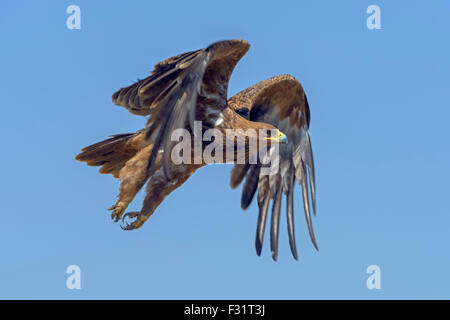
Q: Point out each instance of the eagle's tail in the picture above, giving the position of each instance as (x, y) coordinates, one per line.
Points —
(113, 153)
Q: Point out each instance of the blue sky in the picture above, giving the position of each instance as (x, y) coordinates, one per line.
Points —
(379, 105)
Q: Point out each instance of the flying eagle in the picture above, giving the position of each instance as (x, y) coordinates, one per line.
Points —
(192, 87)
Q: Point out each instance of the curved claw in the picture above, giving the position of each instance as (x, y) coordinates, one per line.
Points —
(117, 210)
(133, 225)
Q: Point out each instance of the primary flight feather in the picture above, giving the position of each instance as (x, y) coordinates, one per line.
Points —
(192, 87)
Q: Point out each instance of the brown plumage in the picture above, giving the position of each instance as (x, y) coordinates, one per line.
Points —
(281, 102)
(193, 87)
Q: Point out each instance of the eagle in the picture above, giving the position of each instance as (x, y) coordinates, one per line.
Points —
(192, 87)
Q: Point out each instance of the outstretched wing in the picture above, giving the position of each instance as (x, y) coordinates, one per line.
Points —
(281, 102)
(190, 86)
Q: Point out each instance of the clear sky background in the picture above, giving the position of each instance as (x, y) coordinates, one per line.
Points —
(380, 111)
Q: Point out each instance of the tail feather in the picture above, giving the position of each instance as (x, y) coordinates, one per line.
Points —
(112, 154)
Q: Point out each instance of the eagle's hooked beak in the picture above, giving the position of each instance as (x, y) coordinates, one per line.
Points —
(280, 139)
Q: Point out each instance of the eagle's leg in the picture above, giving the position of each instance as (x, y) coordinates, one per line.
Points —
(157, 189)
(133, 176)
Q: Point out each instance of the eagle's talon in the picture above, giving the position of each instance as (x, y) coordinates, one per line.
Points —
(137, 223)
(133, 225)
(127, 227)
(130, 215)
(117, 210)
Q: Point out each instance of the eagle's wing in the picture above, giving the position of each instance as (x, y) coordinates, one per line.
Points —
(190, 86)
(281, 102)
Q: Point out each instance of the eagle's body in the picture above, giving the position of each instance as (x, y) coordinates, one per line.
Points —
(193, 87)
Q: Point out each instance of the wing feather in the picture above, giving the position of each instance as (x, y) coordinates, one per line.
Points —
(281, 102)
(250, 186)
(275, 225)
(238, 174)
(172, 94)
(290, 218)
(306, 206)
(263, 204)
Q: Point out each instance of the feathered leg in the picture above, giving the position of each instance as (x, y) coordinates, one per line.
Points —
(157, 189)
(133, 176)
